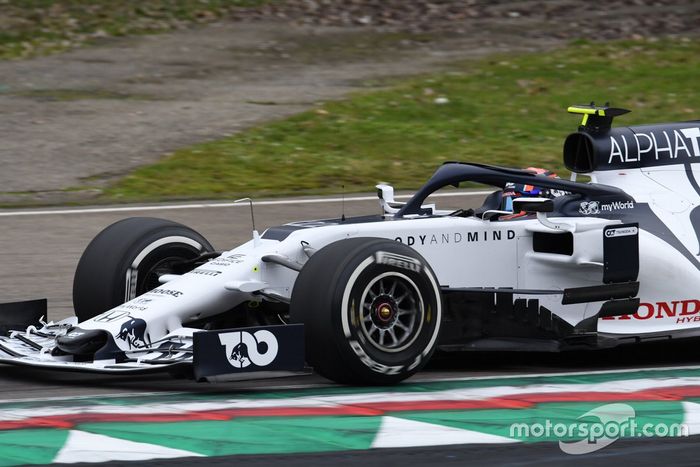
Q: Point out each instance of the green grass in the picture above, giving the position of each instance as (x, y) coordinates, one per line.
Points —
(38, 27)
(507, 110)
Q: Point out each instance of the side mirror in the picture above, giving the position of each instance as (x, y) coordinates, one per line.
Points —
(385, 193)
(543, 205)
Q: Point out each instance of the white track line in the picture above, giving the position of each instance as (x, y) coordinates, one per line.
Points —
(418, 380)
(414, 380)
(167, 207)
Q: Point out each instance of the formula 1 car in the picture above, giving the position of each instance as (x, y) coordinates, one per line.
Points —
(367, 300)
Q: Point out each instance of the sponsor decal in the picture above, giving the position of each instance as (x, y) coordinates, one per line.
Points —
(131, 307)
(205, 272)
(588, 208)
(134, 333)
(269, 348)
(666, 144)
(244, 348)
(376, 366)
(457, 237)
(166, 292)
(684, 311)
(591, 208)
(617, 205)
(111, 316)
(226, 260)
(558, 193)
(137, 304)
(399, 261)
(621, 232)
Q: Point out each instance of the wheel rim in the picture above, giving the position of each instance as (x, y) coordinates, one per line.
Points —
(391, 315)
(146, 276)
(152, 276)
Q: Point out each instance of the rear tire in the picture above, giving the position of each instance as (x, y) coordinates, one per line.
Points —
(125, 260)
(371, 310)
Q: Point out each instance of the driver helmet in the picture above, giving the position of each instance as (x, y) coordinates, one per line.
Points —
(512, 191)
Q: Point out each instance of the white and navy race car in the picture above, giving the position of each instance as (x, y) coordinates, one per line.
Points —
(545, 264)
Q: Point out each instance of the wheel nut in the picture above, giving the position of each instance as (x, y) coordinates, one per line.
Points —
(385, 312)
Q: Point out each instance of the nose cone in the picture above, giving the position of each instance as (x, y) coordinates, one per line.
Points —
(82, 341)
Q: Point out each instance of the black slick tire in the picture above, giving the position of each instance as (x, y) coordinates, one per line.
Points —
(121, 261)
(350, 296)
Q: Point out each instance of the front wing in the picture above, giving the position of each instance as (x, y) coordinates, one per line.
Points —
(232, 354)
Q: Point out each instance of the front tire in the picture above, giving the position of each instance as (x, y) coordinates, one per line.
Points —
(126, 259)
(371, 310)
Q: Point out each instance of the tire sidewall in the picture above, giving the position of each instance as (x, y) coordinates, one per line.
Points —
(100, 281)
(152, 248)
(353, 344)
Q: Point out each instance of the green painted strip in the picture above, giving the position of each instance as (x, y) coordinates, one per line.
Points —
(30, 446)
(318, 434)
(270, 435)
(250, 435)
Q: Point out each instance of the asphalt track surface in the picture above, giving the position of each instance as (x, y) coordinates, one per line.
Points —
(676, 452)
(41, 248)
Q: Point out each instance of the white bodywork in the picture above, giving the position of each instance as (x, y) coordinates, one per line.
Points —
(464, 252)
(668, 280)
